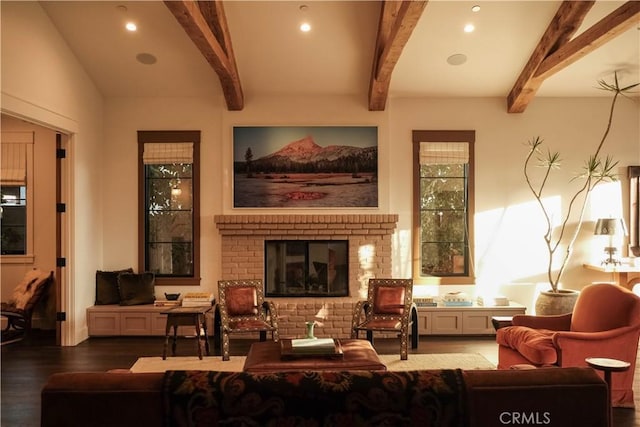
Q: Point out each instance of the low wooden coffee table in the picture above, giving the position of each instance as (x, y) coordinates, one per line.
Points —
(356, 355)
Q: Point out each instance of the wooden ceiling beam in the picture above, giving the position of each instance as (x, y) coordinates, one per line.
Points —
(562, 27)
(612, 25)
(206, 25)
(397, 21)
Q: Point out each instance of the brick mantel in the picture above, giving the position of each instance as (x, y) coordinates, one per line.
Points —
(377, 224)
(369, 237)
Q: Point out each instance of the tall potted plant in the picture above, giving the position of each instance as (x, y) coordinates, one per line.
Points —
(559, 242)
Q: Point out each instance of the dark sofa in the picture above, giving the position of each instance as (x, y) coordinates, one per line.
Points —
(451, 397)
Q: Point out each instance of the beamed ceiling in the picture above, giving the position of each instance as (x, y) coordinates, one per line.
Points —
(374, 49)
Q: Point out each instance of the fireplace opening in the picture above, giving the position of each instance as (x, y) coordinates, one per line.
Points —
(306, 268)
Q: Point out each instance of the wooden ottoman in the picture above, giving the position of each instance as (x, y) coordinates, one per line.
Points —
(357, 355)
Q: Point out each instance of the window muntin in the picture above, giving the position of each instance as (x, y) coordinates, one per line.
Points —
(169, 213)
(13, 219)
(443, 220)
(16, 196)
(170, 218)
(443, 165)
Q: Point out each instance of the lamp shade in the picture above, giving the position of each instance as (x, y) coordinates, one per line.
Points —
(610, 227)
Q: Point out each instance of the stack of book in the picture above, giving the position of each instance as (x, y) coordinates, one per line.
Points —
(425, 302)
(313, 346)
(166, 303)
(456, 299)
(197, 299)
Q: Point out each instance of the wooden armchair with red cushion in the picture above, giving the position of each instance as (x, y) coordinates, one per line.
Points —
(242, 309)
(605, 323)
(389, 308)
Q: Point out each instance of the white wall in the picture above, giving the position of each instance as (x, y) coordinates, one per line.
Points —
(44, 83)
(508, 244)
(508, 234)
(123, 118)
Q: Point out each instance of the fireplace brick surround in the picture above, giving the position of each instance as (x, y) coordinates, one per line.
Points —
(370, 242)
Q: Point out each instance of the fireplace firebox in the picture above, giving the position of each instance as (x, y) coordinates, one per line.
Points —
(306, 268)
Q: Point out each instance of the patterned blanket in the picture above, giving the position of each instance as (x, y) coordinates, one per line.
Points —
(427, 398)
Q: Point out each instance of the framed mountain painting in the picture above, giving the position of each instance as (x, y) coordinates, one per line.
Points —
(305, 166)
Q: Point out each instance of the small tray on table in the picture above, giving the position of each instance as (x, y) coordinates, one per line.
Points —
(310, 347)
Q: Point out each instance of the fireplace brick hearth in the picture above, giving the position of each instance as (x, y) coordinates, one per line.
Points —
(369, 236)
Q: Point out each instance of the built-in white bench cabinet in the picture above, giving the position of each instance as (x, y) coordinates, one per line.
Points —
(113, 320)
(471, 320)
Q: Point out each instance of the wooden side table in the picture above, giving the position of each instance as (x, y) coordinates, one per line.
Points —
(607, 366)
(620, 273)
(186, 316)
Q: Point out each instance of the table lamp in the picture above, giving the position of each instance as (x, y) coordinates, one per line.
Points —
(610, 227)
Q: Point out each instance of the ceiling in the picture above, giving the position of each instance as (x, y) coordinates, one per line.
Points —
(273, 57)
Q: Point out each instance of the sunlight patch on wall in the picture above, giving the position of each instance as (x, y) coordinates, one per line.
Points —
(509, 244)
(401, 248)
(366, 258)
(322, 315)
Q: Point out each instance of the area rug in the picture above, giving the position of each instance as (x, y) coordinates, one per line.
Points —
(465, 361)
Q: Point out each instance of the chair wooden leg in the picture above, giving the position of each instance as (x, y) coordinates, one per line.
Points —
(217, 329)
(404, 343)
(370, 337)
(225, 346)
(414, 329)
(263, 336)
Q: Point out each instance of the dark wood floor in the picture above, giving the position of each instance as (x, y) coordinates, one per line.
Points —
(26, 365)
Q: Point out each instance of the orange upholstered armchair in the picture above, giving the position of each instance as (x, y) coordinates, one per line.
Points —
(241, 309)
(389, 308)
(605, 323)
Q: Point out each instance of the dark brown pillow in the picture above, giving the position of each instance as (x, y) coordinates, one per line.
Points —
(107, 286)
(136, 288)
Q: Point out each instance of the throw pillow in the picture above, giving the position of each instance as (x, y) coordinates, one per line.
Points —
(136, 288)
(107, 286)
(27, 287)
(536, 345)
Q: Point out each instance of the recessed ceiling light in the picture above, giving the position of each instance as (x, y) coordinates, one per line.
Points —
(131, 26)
(469, 28)
(305, 27)
(457, 59)
(146, 58)
(475, 8)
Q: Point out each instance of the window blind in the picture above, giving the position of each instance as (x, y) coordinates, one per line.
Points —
(13, 164)
(443, 153)
(159, 153)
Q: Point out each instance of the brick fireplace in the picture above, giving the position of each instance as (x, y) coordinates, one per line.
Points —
(369, 237)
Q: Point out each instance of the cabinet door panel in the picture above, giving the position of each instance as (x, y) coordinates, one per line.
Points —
(449, 323)
(135, 324)
(104, 324)
(477, 323)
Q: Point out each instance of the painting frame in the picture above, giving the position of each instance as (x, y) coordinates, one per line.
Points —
(305, 167)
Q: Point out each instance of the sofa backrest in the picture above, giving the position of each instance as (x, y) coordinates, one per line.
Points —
(474, 398)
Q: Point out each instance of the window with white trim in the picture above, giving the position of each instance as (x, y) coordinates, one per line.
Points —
(443, 206)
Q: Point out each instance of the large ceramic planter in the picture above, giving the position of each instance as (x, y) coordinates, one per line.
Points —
(560, 302)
